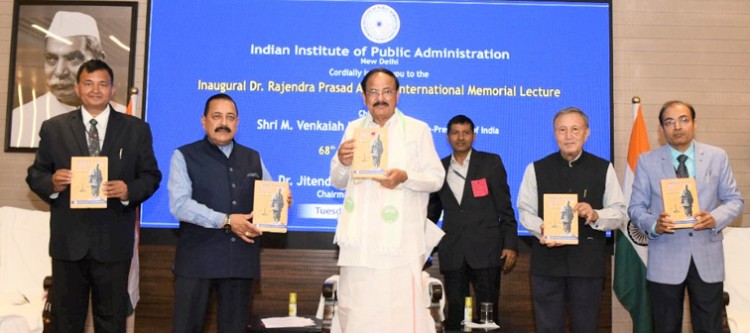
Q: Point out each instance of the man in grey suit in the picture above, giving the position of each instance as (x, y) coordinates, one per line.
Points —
(691, 258)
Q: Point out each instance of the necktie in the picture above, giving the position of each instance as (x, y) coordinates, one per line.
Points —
(682, 171)
(93, 138)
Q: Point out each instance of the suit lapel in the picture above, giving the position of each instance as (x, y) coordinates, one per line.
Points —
(114, 128)
(471, 174)
(447, 165)
(666, 163)
(79, 132)
(700, 165)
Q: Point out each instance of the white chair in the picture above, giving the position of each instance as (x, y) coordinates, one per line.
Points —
(736, 249)
(24, 263)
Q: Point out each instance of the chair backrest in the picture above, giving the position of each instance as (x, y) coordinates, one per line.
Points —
(437, 302)
(328, 302)
(24, 252)
(736, 248)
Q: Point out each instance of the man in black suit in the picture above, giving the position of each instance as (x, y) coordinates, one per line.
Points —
(91, 248)
(479, 222)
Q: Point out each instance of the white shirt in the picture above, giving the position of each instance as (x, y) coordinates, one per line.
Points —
(611, 217)
(180, 188)
(102, 120)
(456, 177)
(101, 123)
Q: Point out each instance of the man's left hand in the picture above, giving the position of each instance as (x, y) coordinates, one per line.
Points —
(393, 177)
(510, 259)
(115, 189)
(705, 221)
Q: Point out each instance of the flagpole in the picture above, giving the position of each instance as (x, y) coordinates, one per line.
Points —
(133, 101)
(629, 278)
(134, 274)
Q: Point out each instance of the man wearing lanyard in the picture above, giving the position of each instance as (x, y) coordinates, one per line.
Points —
(479, 222)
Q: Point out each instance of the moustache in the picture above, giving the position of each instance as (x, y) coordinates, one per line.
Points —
(381, 103)
(61, 85)
(223, 128)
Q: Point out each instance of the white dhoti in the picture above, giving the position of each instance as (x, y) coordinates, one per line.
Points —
(382, 300)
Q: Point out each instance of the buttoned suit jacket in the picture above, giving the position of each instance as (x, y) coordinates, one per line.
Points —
(669, 254)
(478, 229)
(107, 234)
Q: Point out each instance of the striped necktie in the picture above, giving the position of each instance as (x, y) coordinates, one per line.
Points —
(682, 171)
(93, 138)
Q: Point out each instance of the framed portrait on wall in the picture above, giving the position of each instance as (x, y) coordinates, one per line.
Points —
(49, 42)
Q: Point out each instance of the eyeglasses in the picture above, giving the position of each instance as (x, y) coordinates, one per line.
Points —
(684, 120)
(384, 92)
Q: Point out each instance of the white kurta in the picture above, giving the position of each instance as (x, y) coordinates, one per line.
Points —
(382, 300)
(378, 291)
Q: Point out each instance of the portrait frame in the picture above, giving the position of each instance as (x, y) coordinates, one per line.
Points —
(31, 100)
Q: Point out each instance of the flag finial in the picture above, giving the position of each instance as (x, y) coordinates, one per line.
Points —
(636, 99)
(134, 91)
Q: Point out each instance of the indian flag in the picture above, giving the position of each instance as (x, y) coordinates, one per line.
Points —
(132, 102)
(631, 251)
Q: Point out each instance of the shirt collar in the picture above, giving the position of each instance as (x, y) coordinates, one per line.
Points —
(101, 119)
(466, 160)
(690, 152)
(571, 163)
(227, 148)
(370, 122)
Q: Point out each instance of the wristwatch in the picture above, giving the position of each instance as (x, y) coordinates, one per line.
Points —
(227, 225)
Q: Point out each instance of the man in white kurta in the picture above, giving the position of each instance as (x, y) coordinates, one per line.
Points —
(381, 229)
